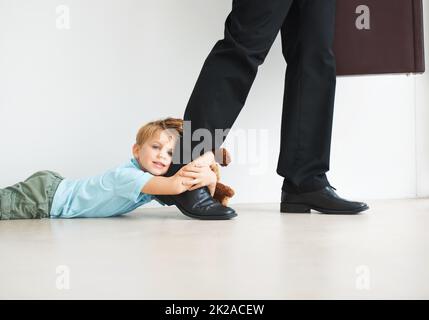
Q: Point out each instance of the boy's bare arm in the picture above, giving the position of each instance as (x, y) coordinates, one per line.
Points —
(173, 185)
(160, 186)
(176, 184)
(212, 189)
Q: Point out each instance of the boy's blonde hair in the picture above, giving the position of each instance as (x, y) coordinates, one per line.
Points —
(173, 126)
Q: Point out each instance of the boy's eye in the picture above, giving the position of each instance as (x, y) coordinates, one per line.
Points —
(155, 147)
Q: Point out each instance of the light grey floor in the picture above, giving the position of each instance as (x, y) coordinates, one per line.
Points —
(161, 254)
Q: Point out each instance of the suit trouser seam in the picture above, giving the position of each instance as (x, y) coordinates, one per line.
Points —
(300, 75)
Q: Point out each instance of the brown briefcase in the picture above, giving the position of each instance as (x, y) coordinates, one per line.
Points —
(379, 36)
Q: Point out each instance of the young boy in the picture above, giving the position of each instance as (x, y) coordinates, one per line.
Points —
(118, 191)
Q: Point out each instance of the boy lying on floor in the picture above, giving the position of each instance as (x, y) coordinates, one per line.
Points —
(118, 191)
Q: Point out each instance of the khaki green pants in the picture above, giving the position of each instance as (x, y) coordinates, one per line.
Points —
(31, 199)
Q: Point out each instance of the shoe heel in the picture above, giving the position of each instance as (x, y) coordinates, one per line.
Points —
(168, 200)
(294, 208)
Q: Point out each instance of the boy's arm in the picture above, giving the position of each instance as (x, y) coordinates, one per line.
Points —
(160, 186)
(177, 184)
(220, 156)
(212, 189)
(207, 159)
(165, 185)
(173, 185)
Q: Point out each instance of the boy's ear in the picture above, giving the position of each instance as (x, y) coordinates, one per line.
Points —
(135, 149)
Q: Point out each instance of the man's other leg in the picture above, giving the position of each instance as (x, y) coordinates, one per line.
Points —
(307, 40)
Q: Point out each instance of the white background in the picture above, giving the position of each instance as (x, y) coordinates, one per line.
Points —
(72, 100)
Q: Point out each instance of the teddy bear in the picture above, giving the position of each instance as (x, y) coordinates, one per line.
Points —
(222, 192)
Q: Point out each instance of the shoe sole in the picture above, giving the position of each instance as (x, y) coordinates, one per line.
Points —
(304, 208)
(193, 216)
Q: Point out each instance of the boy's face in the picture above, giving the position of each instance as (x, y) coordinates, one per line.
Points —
(155, 155)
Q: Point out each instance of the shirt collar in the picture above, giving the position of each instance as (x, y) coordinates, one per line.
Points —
(136, 163)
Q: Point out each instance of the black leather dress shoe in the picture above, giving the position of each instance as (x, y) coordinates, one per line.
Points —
(324, 201)
(199, 204)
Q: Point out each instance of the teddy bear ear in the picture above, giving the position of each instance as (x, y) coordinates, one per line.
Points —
(223, 157)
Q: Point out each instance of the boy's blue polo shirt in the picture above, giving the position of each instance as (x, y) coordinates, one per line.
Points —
(116, 192)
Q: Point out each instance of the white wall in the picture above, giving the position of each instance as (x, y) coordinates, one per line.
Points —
(72, 100)
(422, 119)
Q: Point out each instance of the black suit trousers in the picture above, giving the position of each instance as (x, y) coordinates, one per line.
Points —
(307, 34)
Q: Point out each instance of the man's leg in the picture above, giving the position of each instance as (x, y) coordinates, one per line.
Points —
(307, 39)
(231, 67)
(222, 88)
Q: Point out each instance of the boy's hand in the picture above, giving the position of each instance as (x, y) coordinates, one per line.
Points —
(201, 176)
(207, 159)
(180, 182)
